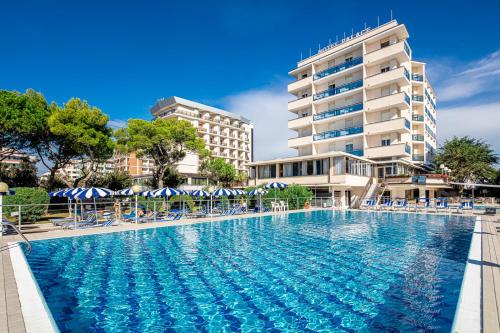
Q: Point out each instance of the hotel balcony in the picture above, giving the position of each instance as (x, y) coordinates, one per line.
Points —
(417, 117)
(417, 77)
(339, 68)
(300, 141)
(338, 90)
(399, 149)
(299, 122)
(417, 137)
(399, 125)
(338, 133)
(399, 75)
(398, 100)
(301, 84)
(299, 103)
(355, 152)
(338, 111)
(417, 98)
(400, 51)
(418, 158)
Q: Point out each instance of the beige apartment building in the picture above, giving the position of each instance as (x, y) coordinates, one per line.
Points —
(226, 135)
(363, 110)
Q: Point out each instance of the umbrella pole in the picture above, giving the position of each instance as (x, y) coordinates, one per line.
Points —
(95, 209)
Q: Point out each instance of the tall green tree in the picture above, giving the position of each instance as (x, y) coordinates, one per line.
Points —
(21, 175)
(468, 158)
(21, 118)
(166, 141)
(219, 171)
(74, 131)
(116, 180)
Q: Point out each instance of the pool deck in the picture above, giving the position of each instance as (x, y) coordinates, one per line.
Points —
(12, 321)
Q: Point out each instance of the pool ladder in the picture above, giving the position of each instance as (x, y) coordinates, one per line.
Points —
(16, 229)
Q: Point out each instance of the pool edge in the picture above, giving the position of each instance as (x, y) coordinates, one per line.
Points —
(36, 313)
(468, 313)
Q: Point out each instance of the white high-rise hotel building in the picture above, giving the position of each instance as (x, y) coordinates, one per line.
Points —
(366, 97)
(365, 119)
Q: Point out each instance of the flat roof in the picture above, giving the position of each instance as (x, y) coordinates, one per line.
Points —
(173, 100)
(308, 157)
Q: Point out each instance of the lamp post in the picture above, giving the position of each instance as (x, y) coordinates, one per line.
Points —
(4, 189)
(136, 189)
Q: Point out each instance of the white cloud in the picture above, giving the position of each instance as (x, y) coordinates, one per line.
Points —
(478, 121)
(267, 108)
(472, 79)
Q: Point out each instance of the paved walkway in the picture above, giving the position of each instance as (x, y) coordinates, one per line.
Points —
(11, 318)
(491, 274)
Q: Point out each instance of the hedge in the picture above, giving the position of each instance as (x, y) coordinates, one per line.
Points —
(36, 198)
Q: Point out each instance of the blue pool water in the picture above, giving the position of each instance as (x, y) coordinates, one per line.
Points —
(316, 271)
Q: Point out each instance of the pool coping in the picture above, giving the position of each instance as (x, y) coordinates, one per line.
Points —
(468, 314)
(35, 311)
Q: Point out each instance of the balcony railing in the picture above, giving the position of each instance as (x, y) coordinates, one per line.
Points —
(356, 152)
(338, 68)
(407, 74)
(417, 117)
(339, 111)
(417, 77)
(338, 133)
(418, 98)
(338, 90)
(407, 98)
(407, 49)
(407, 124)
(418, 137)
(418, 158)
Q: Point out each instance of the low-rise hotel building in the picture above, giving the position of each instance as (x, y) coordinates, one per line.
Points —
(226, 135)
(363, 110)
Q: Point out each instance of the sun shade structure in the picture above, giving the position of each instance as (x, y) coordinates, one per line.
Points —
(93, 192)
(238, 192)
(200, 193)
(223, 192)
(125, 192)
(276, 185)
(166, 192)
(59, 193)
(257, 191)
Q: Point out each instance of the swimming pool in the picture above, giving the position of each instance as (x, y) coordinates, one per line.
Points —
(320, 270)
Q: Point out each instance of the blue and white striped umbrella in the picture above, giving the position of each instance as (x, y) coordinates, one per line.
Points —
(167, 192)
(146, 194)
(9, 192)
(59, 193)
(256, 192)
(93, 192)
(199, 193)
(223, 192)
(238, 192)
(72, 192)
(276, 185)
(125, 192)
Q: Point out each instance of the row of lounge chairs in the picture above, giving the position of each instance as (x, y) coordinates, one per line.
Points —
(419, 204)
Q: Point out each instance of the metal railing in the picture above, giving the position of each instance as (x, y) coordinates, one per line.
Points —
(338, 133)
(338, 68)
(338, 90)
(339, 111)
(5, 225)
(418, 98)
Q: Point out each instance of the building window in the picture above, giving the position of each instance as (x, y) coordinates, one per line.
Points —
(386, 142)
(348, 57)
(385, 68)
(349, 148)
(384, 43)
(310, 168)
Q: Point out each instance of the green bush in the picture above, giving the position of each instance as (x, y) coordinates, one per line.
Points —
(36, 198)
(296, 195)
(176, 202)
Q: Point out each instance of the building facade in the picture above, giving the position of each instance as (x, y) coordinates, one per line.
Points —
(366, 97)
(14, 158)
(226, 135)
(364, 111)
(136, 167)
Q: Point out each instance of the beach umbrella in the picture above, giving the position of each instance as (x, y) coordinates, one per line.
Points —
(167, 192)
(125, 192)
(59, 193)
(223, 192)
(276, 185)
(259, 192)
(238, 192)
(199, 193)
(93, 193)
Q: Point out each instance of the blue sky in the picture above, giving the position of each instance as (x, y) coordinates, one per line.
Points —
(122, 56)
